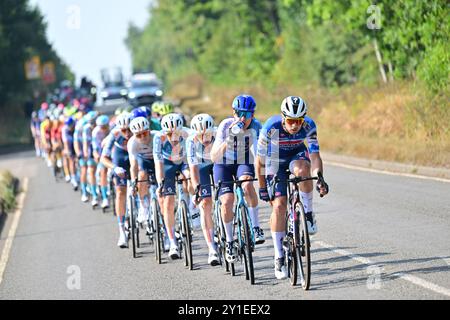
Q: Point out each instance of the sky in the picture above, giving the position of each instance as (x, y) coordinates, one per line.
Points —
(89, 34)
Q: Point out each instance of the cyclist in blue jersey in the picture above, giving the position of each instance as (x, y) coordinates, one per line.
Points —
(78, 146)
(233, 156)
(68, 149)
(281, 146)
(199, 145)
(115, 157)
(169, 153)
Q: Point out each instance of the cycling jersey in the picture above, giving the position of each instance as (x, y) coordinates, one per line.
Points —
(274, 142)
(115, 147)
(244, 145)
(46, 131)
(164, 150)
(197, 153)
(142, 152)
(98, 135)
(67, 138)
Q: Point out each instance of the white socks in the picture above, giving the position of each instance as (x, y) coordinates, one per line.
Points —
(229, 230)
(307, 201)
(278, 243)
(254, 216)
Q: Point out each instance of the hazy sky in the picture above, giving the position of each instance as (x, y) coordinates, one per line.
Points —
(89, 34)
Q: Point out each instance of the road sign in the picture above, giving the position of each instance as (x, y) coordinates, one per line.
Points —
(33, 68)
(48, 72)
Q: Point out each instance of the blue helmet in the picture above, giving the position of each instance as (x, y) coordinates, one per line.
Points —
(90, 116)
(70, 121)
(141, 112)
(102, 120)
(244, 102)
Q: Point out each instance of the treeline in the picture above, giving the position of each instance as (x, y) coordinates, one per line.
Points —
(23, 35)
(324, 43)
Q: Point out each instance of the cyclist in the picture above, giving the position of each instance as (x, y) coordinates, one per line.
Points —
(146, 112)
(68, 149)
(140, 149)
(160, 109)
(115, 157)
(56, 138)
(46, 137)
(169, 152)
(35, 127)
(232, 154)
(99, 133)
(199, 146)
(78, 146)
(281, 146)
(89, 156)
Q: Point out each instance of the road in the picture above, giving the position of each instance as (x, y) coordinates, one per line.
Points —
(380, 237)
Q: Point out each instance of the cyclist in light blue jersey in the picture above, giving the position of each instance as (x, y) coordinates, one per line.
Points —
(99, 133)
(89, 156)
(169, 153)
(199, 146)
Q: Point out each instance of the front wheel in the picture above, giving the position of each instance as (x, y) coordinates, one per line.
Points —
(303, 247)
(158, 235)
(248, 244)
(187, 237)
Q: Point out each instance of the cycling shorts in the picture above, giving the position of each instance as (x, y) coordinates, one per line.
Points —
(227, 172)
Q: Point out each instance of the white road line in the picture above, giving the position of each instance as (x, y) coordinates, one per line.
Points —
(413, 279)
(409, 175)
(12, 231)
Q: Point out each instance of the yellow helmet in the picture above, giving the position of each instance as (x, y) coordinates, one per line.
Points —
(166, 108)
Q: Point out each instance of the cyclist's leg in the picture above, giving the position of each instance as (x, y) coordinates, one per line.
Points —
(145, 166)
(206, 206)
(83, 179)
(301, 167)
(225, 172)
(244, 172)
(169, 199)
(92, 168)
(120, 159)
(103, 183)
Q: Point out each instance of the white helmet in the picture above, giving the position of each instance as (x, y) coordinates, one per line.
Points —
(171, 122)
(293, 107)
(139, 124)
(123, 121)
(202, 122)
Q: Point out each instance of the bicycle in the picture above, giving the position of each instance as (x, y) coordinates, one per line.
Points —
(219, 229)
(245, 241)
(132, 219)
(184, 224)
(296, 243)
(156, 232)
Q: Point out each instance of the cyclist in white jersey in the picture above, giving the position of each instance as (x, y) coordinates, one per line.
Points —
(169, 152)
(140, 150)
(199, 145)
(99, 133)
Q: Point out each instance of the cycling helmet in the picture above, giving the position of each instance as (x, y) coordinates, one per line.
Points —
(70, 121)
(293, 107)
(141, 112)
(202, 123)
(172, 122)
(139, 124)
(60, 106)
(244, 102)
(118, 111)
(44, 106)
(102, 120)
(123, 121)
(34, 115)
(91, 115)
(165, 108)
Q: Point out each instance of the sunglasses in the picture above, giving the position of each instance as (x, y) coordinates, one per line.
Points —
(245, 114)
(291, 121)
(142, 134)
(125, 131)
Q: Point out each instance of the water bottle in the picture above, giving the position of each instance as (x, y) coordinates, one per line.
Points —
(236, 129)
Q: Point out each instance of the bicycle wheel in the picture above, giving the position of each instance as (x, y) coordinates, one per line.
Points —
(303, 247)
(112, 197)
(158, 243)
(187, 236)
(290, 252)
(248, 244)
(133, 225)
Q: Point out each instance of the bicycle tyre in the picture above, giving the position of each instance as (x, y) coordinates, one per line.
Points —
(248, 245)
(158, 243)
(290, 253)
(303, 247)
(133, 225)
(187, 237)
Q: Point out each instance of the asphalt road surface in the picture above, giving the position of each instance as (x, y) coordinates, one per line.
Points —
(380, 237)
